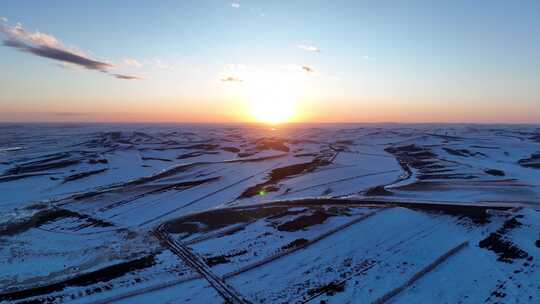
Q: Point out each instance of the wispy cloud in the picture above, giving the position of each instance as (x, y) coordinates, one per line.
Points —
(257, 11)
(366, 57)
(234, 72)
(158, 63)
(231, 79)
(311, 71)
(47, 46)
(235, 4)
(132, 62)
(3, 19)
(127, 77)
(309, 48)
(301, 69)
(70, 114)
(308, 69)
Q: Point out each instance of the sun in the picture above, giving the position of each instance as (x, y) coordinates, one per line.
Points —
(271, 94)
(273, 98)
(273, 106)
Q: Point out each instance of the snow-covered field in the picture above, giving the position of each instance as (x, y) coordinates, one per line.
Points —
(343, 213)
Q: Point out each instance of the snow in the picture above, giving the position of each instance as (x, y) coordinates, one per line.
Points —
(361, 210)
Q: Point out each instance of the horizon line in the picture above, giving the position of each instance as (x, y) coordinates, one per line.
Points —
(264, 123)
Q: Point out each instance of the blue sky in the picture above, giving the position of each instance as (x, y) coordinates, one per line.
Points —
(378, 60)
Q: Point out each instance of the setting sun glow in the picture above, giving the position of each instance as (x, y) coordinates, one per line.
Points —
(272, 95)
(273, 107)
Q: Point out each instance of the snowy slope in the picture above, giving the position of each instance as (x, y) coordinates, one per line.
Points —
(368, 213)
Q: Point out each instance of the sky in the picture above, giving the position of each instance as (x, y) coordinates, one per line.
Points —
(273, 61)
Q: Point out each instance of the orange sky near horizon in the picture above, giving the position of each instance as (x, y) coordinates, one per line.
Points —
(238, 111)
(270, 61)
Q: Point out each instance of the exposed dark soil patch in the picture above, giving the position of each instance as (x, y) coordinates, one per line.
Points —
(225, 258)
(532, 162)
(123, 140)
(160, 189)
(413, 156)
(83, 175)
(329, 289)
(339, 211)
(285, 213)
(498, 294)
(94, 161)
(163, 174)
(220, 259)
(304, 221)
(435, 171)
(264, 144)
(495, 172)
(345, 142)
(462, 152)
(305, 155)
(187, 227)
(12, 177)
(47, 158)
(271, 144)
(404, 149)
(429, 166)
(434, 167)
(340, 148)
(219, 218)
(206, 147)
(34, 167)
(476, 214)
(296, 243)
(446, 176)
(36, 206)
(421, 164)
(278, 174)
(485, 147)
(292, 170)
(423, 154)
(301, 141)
(103, 275)
(511, 224)
(195, 154)
(504, 248)
(532, 165)
(167, 173)
(246, 154)
(156, 158)
(377, 191)
(45, 216)
(231, 149)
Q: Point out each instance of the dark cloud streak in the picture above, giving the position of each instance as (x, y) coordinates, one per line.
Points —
(46, 46)
(127, 77)
(71, 114)
(59, 54)
(231, 79)
(308, 69)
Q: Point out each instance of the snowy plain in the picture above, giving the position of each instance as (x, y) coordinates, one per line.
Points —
(344, 213)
